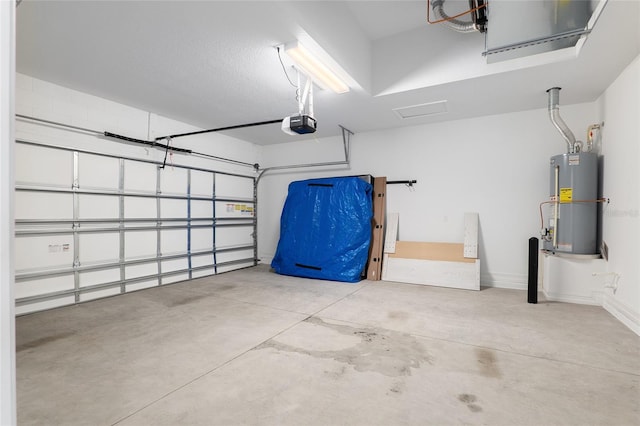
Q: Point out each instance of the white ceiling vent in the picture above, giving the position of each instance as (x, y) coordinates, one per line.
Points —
(421, 110)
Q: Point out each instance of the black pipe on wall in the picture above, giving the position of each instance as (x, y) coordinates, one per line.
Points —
(532, 290)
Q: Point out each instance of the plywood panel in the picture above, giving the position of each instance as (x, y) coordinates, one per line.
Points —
(449, 252)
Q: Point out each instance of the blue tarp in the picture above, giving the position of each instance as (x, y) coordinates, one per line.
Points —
(325, 229)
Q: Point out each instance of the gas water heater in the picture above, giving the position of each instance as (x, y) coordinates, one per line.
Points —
(573, 220)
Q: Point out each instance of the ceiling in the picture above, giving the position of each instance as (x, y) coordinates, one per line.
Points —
(214, 63)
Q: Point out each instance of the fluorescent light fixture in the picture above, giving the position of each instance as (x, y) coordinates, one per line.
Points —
(316, 70)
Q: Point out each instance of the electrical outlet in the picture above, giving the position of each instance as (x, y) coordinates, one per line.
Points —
(604, 251)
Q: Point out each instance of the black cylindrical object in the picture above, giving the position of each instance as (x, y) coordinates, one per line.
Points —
(532, 292)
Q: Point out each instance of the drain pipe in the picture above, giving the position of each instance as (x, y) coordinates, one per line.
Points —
(554, 115)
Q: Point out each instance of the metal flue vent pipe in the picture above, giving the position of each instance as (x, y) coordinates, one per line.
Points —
(554, 115)
(455, 24)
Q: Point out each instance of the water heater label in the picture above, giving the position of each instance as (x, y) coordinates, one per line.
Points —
(565, 246)
(574, 160)
(566, 195)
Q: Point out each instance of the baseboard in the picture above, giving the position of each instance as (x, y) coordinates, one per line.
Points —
(622, 313)
(595, 299)
(265, 258)
(512, 281)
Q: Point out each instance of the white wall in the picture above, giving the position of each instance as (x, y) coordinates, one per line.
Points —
(619, 108)
(44, 100)
(44, 167)
(496, 165)
(7, 326)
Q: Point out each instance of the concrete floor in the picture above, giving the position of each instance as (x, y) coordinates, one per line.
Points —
(252, 347)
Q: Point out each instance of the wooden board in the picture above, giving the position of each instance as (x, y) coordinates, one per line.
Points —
(462, 275)
(374, 270)
(452, 265)
(471, 235)
(448, 252)
(391, 234)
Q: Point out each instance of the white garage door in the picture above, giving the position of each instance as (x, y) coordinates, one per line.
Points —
(91, 225)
